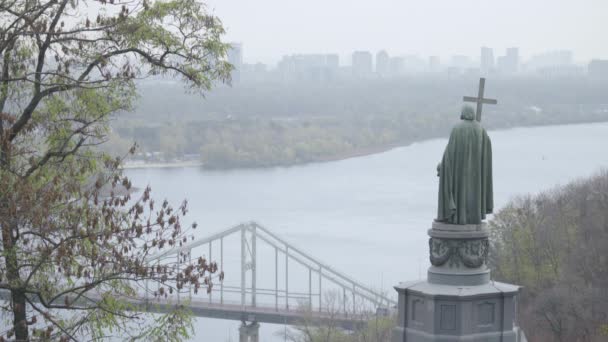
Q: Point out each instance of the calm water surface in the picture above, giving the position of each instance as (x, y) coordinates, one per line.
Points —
(368, 216)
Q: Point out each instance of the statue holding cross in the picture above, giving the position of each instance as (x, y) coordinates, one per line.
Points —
(465, 172)
(480, 100)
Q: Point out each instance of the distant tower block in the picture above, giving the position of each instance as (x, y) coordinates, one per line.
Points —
(235, 57)
(487, 60)
(434, 63)
(382, 64)
(362, 64)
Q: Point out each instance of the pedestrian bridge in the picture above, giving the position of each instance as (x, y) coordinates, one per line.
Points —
(268, 280)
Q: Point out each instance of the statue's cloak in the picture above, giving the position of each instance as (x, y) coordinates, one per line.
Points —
(465, 176)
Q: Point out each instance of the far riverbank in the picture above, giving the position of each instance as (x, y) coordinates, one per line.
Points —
(360, 152)
(159, 165)
(270, 125)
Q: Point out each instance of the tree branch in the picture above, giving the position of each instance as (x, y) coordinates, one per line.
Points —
(37, 96)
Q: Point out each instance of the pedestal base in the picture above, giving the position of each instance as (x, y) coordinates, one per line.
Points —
(413, 335)
(431, 312)
(437, 275)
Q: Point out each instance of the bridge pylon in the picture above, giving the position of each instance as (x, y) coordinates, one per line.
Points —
(249, 332)
(269, 280)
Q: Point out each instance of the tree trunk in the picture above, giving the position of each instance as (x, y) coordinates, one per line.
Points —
(17, 294)
(19, 315)
(12, 264)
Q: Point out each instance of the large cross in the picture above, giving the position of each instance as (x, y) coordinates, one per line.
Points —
(479, 99)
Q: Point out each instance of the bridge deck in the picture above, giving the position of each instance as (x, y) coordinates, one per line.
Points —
(237, 312)
(261, 314)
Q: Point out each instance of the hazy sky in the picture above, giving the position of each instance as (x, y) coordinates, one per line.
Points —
(271, 28)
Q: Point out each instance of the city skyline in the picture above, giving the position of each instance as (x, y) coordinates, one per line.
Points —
(487, 57)
(273, 28)
(362, 64)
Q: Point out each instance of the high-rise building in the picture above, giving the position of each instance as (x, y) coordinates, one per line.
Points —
(332, 61)
(501, 64)
(257, 72)
(396, 66)
(362, 63)
(235, 57)
(551, 59)
(414, 64)
(434, 63)
(552, 64)
(487, 60)
(512, 60)
(382, 63)
(309, 67)
(509, 63)
(461, 61)
(598, 69)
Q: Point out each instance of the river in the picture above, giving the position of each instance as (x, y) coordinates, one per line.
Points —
(368, 216)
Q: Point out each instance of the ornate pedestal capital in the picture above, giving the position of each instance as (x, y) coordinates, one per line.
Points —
(454, 253)
(458, 254)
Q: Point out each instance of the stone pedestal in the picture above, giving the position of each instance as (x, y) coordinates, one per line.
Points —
(458, 301)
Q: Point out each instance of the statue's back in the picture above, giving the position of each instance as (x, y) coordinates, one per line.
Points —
(465, 176)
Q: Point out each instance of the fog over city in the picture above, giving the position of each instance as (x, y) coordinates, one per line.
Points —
(272, 28)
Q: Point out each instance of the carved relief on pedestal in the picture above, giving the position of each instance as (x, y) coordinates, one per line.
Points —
(472, 253)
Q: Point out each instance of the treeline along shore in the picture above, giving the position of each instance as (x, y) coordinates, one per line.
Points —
(273, 124)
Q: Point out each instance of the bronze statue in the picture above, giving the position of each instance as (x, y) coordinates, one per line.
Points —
(465, 173)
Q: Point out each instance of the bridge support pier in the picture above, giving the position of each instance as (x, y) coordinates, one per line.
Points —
(249, 332)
